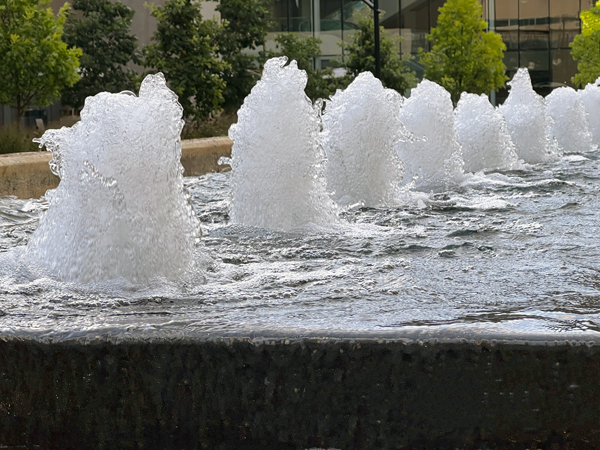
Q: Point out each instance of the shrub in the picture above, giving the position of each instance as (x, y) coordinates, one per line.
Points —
(13, 140)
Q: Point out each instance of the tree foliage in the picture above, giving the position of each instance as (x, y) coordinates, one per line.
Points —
(102, 31)
(585, 48)
(321, 82)
(360, 56)
(36, 65)
(184, 50)
(245, 24)
(464, 57)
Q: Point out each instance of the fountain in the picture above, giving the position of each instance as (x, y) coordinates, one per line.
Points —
(524, 112)
(363, 166)
(467, 318)
(434, 156)
(590, 97)
(567, 121)
(276, 159)
(112, 216)
(483, 135)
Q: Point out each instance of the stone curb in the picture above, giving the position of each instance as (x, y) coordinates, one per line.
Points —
(28, 175)
(233, 394)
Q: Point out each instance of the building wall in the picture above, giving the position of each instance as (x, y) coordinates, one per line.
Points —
(537, 33)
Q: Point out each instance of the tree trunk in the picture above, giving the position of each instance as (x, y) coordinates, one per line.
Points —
(20, 112)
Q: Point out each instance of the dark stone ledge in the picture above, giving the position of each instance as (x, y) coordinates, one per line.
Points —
(295, 394)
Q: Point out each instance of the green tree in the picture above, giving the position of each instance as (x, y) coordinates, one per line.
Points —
(321, 82)
(36, 64)
(360, 56)
(102, 32)
(585, 48)
(184, 50)
(245, 24)
(464, 57)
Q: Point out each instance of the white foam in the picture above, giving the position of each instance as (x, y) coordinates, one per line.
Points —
(360, 128)
(523, 111)
(567, 121)
(483, 135)
(120, 209)
(590, 97)
(278, 164)
(434, 155)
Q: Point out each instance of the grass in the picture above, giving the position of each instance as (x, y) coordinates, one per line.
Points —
(214, 127)
(13, 140)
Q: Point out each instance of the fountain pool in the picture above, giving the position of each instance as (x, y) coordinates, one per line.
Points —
(511, 252)
(493, 275)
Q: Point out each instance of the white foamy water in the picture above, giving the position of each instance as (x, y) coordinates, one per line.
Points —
(277, 161)
(523, 111)
(590, 97)
(567, 121)
(483, 135)
(120, 210)
(360, 127)
(434, 155)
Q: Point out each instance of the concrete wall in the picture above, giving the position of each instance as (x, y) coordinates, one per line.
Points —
(28, 175)
(235, 393)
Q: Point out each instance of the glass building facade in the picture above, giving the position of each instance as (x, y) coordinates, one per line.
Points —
(537, 33)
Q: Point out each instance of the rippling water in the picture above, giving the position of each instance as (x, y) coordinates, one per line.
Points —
(511, 253)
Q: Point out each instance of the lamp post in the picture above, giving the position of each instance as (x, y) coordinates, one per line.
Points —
(374, 5)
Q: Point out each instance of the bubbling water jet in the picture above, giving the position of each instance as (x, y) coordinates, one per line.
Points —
(120, 210)
(483, 135)
(567, 121)
(277, 161)
(524, 113)
(434, 155)
(360, 128)
(590, 97)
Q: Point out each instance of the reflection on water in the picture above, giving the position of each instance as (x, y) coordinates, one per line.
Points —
(512, 252)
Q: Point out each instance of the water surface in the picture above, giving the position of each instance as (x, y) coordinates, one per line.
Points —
(505, 254)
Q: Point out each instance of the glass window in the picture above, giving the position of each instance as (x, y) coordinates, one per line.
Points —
(434, 7)
(414, 21)
(507, 10)
(329, 26)
(564, 8)
(562, 38)
(352, 10)
(563, 67)
(532, 39)
(534, 21)
(510, 38)
(533, 9)
(279, 12)
(330, 13)
(300, 15)
(511, 61)
(507, 22)
(390, 18)
(535, 60)
(564, 22)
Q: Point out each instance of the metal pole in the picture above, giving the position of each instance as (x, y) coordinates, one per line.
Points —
(377, 39)
(491, 16)
(374, 5)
